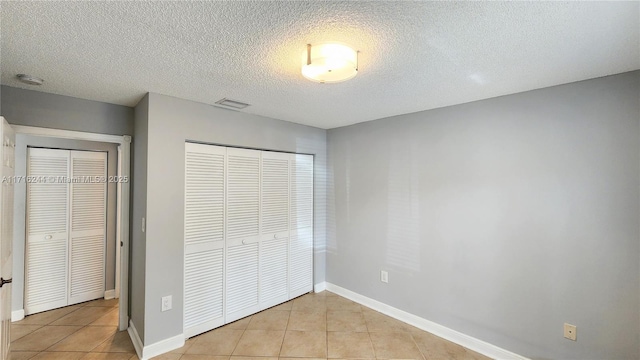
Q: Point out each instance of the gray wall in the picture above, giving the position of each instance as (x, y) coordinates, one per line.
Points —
(19, 224)
(139, 208)
(172, 121)
(501, 218)
(35, 108)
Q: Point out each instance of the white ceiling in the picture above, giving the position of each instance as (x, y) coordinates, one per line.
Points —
(413, 55)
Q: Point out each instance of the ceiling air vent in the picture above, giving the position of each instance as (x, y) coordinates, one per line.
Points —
(231, 104)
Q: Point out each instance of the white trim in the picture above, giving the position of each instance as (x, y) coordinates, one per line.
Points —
(122, 217)
(110, 294)
(159, 348)
(320, 287)
(17, 315)
(135, 339)
(444, 332)
(68, 134)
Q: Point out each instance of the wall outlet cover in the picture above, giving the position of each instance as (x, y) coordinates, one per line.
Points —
(570, 331)
(384, 276)
(166, 303)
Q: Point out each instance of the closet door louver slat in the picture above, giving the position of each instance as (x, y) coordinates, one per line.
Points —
(47, 230)
(243, 226)
(301, 226)
(204, 238)
(88, 225)
(274, 230)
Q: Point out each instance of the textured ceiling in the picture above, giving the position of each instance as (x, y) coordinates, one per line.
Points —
(413, 55)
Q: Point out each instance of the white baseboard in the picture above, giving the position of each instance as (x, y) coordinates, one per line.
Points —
(17, 315)
(109, 294)
(444, 332)
(159, 348)
(320, 287)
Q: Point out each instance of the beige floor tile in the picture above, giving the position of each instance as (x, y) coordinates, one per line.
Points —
(59, 356)
(300, 358)
(47, 317)
(120, 342)
(284, 306)
(203, 357)
(349, 345)
(269, 320)
(165, 357)
(253, 358)
(185, 347)
(83, 316)
(340, 303)
(346, 321)
(102, 302)
(259, 343)
(304, 344)
(307, 321)
(18, 331)
(106, 356)
(239, 324)
(109, 319)
(22, 355)
(398, 345)
(216, 342)
(43, 338)
(85, 339)
(434, 347)
(309, 303)
(377, 322)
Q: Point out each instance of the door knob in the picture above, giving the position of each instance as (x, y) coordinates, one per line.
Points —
(244, 241)
(48, 237)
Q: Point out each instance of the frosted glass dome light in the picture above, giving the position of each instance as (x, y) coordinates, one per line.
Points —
(329, 63)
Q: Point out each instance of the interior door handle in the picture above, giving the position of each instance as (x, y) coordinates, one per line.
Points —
(244, 241)
(3, 281)
(48, 237)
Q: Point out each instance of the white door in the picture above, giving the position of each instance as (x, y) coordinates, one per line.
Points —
(47, 230)
(66, 228)
(7, 155)
(274, 229)
(88, 226)
(301, 226)
(203, 238)
(242, 233)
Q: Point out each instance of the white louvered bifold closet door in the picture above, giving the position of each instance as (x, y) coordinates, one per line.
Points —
(204, 238)
(47, 230)
(301, 226)
(88, 226)
(243, 230)
(274, 229)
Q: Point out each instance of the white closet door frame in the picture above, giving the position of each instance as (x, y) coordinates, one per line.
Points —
(46, 250)
(274, 231)
(87, 226)
(204, 224)
(242, 243)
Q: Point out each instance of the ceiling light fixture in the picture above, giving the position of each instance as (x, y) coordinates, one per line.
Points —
(329, 63)
(31, 80)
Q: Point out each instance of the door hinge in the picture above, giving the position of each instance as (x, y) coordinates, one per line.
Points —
(3, 281)
(121, 244)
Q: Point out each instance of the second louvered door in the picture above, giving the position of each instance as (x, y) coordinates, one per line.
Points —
(301, 225)
(242, 233)
(88, 221)
(47, 230)
(274, 229)
(204, 238)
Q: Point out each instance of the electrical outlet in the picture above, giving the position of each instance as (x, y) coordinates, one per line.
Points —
(570, 331)
(384, 276)
(166, 303)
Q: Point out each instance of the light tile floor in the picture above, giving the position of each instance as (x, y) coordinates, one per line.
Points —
(313, 326)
